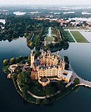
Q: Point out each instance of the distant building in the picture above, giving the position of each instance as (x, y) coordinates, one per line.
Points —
(48, 67)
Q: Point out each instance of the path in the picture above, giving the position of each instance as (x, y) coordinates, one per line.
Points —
(38, 97)
(32, 37)
(42, 97)
(60, 34)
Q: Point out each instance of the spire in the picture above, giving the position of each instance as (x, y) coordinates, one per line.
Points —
(63, 64)
(31, 52)
(43, 52)
(34, 49)
(63, 60)
(58, 52)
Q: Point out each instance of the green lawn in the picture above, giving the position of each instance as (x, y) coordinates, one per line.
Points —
(53, 31)
(68, 36)
(45, 30)
(79, 37)
(49, 39)
(37, 90)
(34, 38)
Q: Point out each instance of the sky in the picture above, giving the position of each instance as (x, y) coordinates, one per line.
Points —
(45, 2)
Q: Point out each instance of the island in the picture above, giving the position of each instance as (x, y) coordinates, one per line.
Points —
(42, 79)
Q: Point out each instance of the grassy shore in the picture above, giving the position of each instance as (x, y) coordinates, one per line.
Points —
(5, 69)
(79, 37)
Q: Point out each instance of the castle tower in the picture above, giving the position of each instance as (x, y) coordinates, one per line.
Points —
(55, 61)
(58, 53)
(43, 53)
(32, 59)
(63, 64)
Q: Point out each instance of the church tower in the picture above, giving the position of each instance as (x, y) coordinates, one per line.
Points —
(32, 59)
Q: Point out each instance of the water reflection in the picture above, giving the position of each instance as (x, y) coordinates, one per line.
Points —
(80, 59)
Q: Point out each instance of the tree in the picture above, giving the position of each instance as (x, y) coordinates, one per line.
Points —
(37, 53)
(5, 62)
(76, 81)
(66, 59)
(17, 60)
(29, 58)
(20, 58)
(24, 91)
(12, 60)
(66, 66)
(30, 45)
(46, 101)
(76, 88)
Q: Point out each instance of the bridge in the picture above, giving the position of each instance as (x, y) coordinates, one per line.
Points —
(82, 81)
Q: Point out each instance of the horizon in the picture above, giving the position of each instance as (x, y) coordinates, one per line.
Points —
(56, 5)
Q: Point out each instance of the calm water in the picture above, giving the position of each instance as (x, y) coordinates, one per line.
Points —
(11, 101)
(87, 35)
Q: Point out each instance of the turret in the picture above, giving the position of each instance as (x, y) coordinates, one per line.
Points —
(58, 53)
(63, 64)
(32, 59)
(43, 53)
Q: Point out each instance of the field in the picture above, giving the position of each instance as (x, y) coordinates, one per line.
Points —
(49, 39)
(68, 36)
(79, 37)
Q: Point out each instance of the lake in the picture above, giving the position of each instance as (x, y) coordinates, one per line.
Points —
(80, 59)
(87, 35)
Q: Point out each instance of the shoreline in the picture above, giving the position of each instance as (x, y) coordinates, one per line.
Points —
(83, 82)
(35, 99)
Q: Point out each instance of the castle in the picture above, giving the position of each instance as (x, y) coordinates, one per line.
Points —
(48, 67)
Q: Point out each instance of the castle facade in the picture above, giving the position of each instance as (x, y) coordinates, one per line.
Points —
(48, 67)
